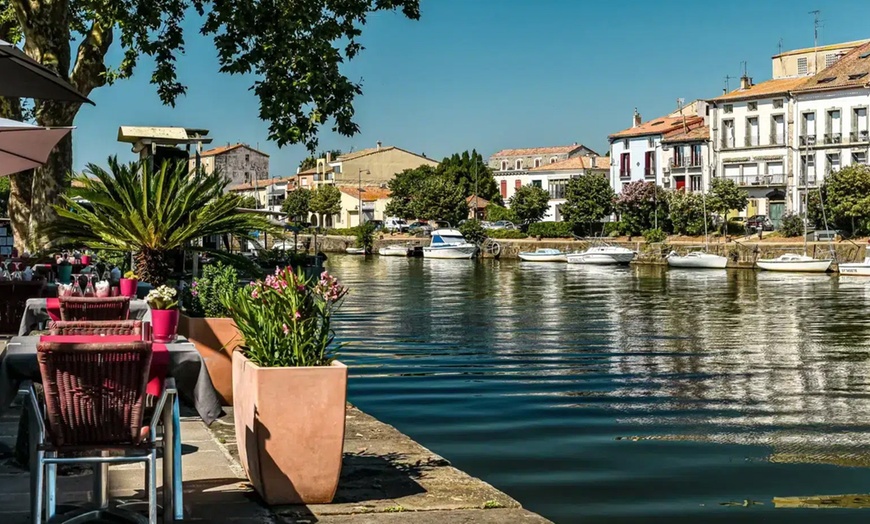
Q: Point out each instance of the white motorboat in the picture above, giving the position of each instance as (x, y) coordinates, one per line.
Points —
(793, 262)
(395, 250)
(697, 260)
(861, 269)
(602, 255)
(544, 255)
(449, 243)
(355, 251)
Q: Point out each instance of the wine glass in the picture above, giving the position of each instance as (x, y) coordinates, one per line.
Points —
(89, 289)
(77, 287)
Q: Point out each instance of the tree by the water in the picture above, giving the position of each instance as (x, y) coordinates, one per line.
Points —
(588, 199)
(724, 196)
(296, 205)
(530, 204)
(404, 187)
(325, 201)
(293, 52)
(469, 171)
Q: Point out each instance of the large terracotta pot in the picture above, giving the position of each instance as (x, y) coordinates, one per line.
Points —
(215, 339)
(290, 429)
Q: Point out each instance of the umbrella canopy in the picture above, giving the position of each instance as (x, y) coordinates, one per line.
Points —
(24, 146)
(22, 76)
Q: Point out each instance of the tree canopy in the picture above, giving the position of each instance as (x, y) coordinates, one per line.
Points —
(296, 204)
(404, 187)
(439, 198)
(530, 204)
(687, 213)
(847, 199)
(466, 168)
(642, 206)
(725, 195)
(325, 200)
(588, 199)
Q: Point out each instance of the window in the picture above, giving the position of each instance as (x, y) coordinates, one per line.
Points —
(827, 80)
(536, 183)
(831, 59)
(752, 131)
(625, 165)
(247, 158)
(503, 189)
(695, 183)
(337, 169)
(777, 129)
(857, 76)
(859, 125)
(552, 160)
(808, 129)
(727, 133)
(729, 108)
(537, 162)
(695, 157)
(777, 103)
(832, 126)
(679, 156)
(859, 157)
(649, 162)
(802, 66)
(504, 165)
(518, 164)
(651, 142)
(557, 188)
(833, 162)
(752, 106)
(247, 177)
(304, 181)
(808, 169)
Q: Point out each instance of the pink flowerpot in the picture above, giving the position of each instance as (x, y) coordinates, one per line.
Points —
(164, 325)
(86, 260)
(128, 287)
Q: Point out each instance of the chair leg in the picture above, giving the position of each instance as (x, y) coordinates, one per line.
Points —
(50, 487)
(37, 487)
(151, 485)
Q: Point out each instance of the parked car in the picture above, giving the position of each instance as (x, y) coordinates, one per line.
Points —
(419, 228)
(502, 224)
(756, 222)
(395, 224)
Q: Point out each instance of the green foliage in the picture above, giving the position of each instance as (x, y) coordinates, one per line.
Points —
(653, 236)
(642, 206)
(847, 198)
(202, 297)
(151, 212)
(296, 205)
(726, 195)
(310, 162)
(530, 204)
(551, 230)
(325, 200)
(248, 202)
(365, 236)
(687, 213)
(285, 320)
(403, 188)
(118, 259)
(505, 233)
(613, 229)
(5, 189)
(440, 199)
(466, 168)
(791, 225)
(588, 199)
(495, 212)
(473, 231)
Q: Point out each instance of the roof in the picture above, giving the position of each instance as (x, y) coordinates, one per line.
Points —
(261, 183)
(575, 163)
(479, 200)
(766, 89)
(695, 134)
(531, 151)
(313, 171)
(226, 148)
(831, 47)
(163, 135)
(369, 193)
(353, 155)
(852, 70)
(658, 126)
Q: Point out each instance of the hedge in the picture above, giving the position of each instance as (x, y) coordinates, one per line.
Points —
(505, 233)
(551, 230)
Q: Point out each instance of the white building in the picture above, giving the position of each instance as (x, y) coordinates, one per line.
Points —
(511, 167)
(554, 178)
(689, 158)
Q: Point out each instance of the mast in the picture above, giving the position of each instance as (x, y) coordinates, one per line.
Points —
(806, 178)
(706, 236)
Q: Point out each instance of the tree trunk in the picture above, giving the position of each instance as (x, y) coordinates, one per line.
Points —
(21, 183)
(152, 267)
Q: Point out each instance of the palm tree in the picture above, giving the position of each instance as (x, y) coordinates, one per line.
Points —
(150, 211)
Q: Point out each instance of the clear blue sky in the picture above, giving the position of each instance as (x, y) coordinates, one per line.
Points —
(493, 74)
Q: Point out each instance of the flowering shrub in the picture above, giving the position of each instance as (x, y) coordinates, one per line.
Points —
(285, 319)
(202, 297)
(162, 298)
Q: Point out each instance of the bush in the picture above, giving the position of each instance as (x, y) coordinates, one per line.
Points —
(495, 212)
(473, 231)
(551, 230)
(791, 225)
(612, 229)
(342, 232)
(505, 233)
(202, 297)
(365, 236)
(654, 235)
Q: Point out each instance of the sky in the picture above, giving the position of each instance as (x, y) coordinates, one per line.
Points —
(492, 74)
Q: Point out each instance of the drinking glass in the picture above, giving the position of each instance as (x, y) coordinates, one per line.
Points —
(89, 289)
(77, 286)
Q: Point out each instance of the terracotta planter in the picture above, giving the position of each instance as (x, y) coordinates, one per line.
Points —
(215, 339)
(290, 429)
(128, 287)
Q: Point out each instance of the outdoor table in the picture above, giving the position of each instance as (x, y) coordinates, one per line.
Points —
(36, 313)
(19, 363)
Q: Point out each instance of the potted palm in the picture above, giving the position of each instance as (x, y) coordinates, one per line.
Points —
(205, 322)
(289, 391)
(164, 313)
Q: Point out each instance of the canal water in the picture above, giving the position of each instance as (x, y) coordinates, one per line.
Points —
(623, 395)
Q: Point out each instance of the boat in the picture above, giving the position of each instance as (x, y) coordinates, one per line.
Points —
(356, 251)
(449, 243)
(861, 269)
(697, 260)
(602, 255)
(544, 255)
(795, 262)
(395, 250)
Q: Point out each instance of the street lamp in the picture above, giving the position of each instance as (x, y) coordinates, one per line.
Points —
(359, 192)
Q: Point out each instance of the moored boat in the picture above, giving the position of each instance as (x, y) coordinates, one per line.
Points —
(449, 243)
(544, 255)
(355, 251)
(861, 269)
(395, 250)
(697, 260)
(794, 263)
(602, 255)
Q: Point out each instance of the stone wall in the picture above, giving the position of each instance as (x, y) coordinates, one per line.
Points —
(242, 165)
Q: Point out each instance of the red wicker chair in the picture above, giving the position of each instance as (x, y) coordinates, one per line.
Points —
(93, 308)
(94, 402)
(95, 327)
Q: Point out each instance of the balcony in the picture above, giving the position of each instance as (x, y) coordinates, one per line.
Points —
(624, 173)
(777, 139)
(750, 140)
(833, 138)
(758, 180)
(859, 136)
(807, 140)
(684, 162)
(727, 142)
(649, 172)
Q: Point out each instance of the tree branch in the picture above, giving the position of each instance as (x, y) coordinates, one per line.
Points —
(89, 70)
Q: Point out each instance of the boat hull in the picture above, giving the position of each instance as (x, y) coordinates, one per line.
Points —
(860, 270)
(393, 252)
(800, 266)
(601, 259)
(698, 262)
(532, 257)
(355, 251)
(450, 252)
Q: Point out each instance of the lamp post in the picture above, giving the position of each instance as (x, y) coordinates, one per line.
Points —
(359, 193)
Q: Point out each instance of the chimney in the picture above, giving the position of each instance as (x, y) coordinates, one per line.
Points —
(745, 82)
(379, 145)
(298, 170)
(636, 121)
(328, 157)
(591, 161)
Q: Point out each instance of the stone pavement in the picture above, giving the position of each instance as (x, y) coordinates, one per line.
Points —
(386, 478)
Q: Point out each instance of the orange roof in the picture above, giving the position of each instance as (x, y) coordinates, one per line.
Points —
(261, 184)
(481, 202)
(313, 171)
(575, 163)
(766, 89)
(369, 193)
(657, 126)
(224, 149)
(695, 134)
(553, 150)
(848, 72)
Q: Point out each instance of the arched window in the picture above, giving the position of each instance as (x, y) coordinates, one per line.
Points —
(552, 160)
(519, 164)
(504, 165)
(537, 162)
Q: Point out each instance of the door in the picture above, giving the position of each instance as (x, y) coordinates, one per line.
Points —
(776, 210)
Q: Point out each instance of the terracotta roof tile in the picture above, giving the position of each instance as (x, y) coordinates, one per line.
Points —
(313, 171)
(553, 150)
(369, 193)
(224, 149)
(695, 134)
(767, 89)
(481, 202)
(848, 72)
(575, 163)
(657, 126)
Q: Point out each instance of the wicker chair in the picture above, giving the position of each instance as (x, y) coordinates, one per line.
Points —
(95, 327)
(94, 402)
(93, 308)
(13, 298)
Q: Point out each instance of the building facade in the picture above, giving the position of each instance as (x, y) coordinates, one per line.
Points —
(239, 163)
(374, 201)
(688, 159)
(374, 167)
(269, 194)
(555, 177)
(811, 60)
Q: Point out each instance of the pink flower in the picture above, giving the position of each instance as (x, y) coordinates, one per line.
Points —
(255, 294)
(286, 329)
(298, 315)
(300, 288)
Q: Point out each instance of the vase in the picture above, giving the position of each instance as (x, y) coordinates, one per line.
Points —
(215, 339)
(290, 429)
(164, 325)
(64, 273)
(128, 287)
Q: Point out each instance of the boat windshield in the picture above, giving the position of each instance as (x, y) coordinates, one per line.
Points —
(447, 239)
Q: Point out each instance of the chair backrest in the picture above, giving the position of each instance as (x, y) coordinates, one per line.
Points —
(95, 327)
(13, 298)
(94, 393)
(93, 308)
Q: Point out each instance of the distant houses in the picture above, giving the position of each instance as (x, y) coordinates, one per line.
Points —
(239, 163)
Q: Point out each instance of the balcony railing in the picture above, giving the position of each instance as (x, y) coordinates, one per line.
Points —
(758, 180)
(750, 140)
(727, 142)
(649, 172)
(833, 138)
(777, 139)
(804, 179)
(685, 162)
(808, 140)
(859, 136)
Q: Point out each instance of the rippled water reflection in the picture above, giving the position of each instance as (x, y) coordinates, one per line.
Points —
(622, 395)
